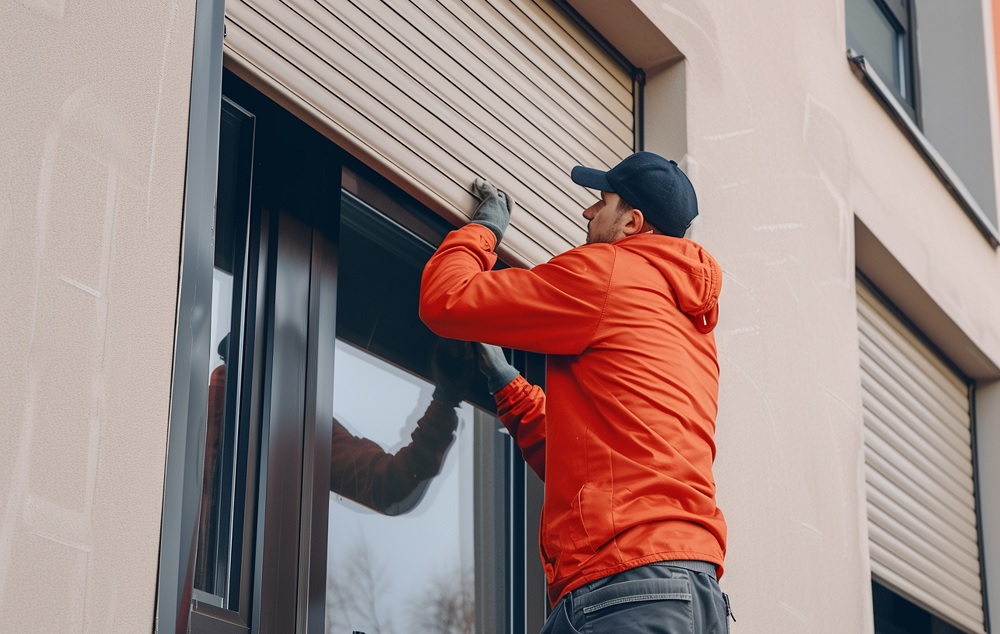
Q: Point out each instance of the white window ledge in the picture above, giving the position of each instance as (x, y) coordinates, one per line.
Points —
(864, 71)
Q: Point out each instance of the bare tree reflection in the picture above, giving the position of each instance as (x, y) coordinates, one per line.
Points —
(355, 591)
(358, 596)
(447, 605)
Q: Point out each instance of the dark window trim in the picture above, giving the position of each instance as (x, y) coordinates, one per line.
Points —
(887, 99)
(189, 380)
(899, 11)
(900, 16)
(976, 488)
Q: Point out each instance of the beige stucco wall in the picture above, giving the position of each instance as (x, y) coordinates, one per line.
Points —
(787, 148)
(93, 135)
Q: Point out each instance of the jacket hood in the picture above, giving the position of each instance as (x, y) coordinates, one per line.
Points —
(692, 273)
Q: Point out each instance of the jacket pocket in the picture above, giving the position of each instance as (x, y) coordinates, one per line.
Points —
(545, 547)
(594, 524)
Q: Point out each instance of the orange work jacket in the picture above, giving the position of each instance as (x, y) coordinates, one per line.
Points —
(625, 439)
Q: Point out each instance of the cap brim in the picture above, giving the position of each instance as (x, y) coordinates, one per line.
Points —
(590, 177)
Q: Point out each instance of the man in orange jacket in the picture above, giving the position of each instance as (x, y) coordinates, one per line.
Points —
(631, 537)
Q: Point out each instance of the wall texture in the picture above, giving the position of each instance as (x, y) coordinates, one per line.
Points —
(789, 153)
(93, 132)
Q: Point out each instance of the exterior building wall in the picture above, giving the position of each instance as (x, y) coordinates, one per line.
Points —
(802, 178)
(93, 138)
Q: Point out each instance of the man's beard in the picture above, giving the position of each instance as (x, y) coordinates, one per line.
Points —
(605, 237)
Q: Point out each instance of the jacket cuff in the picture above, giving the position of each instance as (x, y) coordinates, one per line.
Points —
(487, 239)
(518, 384)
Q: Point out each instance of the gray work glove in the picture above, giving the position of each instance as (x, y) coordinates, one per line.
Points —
(494, 210)
(493, 364)
(453, 367)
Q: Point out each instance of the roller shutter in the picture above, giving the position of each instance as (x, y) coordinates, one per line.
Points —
(433, 93)
(918, 469)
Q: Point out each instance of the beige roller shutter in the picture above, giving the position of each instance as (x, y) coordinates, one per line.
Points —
(918, 469)
(433, 93)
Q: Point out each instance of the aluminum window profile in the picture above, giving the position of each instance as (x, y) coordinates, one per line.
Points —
(902, 79)
(189, 389)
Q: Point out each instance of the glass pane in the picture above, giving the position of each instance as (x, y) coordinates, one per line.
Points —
(418, 518)
(870, 31)
(217, 533)
(405, 556)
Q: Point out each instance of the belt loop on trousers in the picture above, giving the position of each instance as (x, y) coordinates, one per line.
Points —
(693, 566)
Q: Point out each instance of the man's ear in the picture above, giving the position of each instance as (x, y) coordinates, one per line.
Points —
(634, 222)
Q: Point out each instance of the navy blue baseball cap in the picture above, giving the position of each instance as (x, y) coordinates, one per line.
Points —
(650, 183)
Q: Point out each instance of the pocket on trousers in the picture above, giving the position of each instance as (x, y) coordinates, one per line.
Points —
(637, 591)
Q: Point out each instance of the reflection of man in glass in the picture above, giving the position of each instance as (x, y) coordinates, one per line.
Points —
(359, 468)
(395, 483)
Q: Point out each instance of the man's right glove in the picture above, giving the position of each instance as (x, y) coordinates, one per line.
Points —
(494, 210)
(452, 370)
(493, 364)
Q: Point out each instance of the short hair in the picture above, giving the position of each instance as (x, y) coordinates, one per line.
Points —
(623, 206)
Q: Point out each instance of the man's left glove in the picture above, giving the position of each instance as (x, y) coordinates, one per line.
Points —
(453, 366)
(493, 363)
(494, 210)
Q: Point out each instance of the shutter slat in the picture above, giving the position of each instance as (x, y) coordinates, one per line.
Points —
(469, 100)
(929, 434)
(899, 505)
(538, 42)
(897, 574)
(962, 583)
(927, 386)
(916, 483)
(920, 487)
(919, 443)
(951, 387)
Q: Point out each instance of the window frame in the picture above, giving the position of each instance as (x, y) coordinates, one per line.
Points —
(242, 395)
(901, 17)
(301, 586)
(189, 383)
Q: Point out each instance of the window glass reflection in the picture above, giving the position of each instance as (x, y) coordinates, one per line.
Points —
(212, 556)
(871, 29)
(220, 529)
(401, 549)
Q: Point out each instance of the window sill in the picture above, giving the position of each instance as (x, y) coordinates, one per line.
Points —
(863, 71)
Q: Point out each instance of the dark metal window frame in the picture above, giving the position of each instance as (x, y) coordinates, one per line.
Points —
(176, 611)
(901, 15)
(245, 380)
(189, 389)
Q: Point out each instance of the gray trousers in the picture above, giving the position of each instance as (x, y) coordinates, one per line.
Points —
(668, 597)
